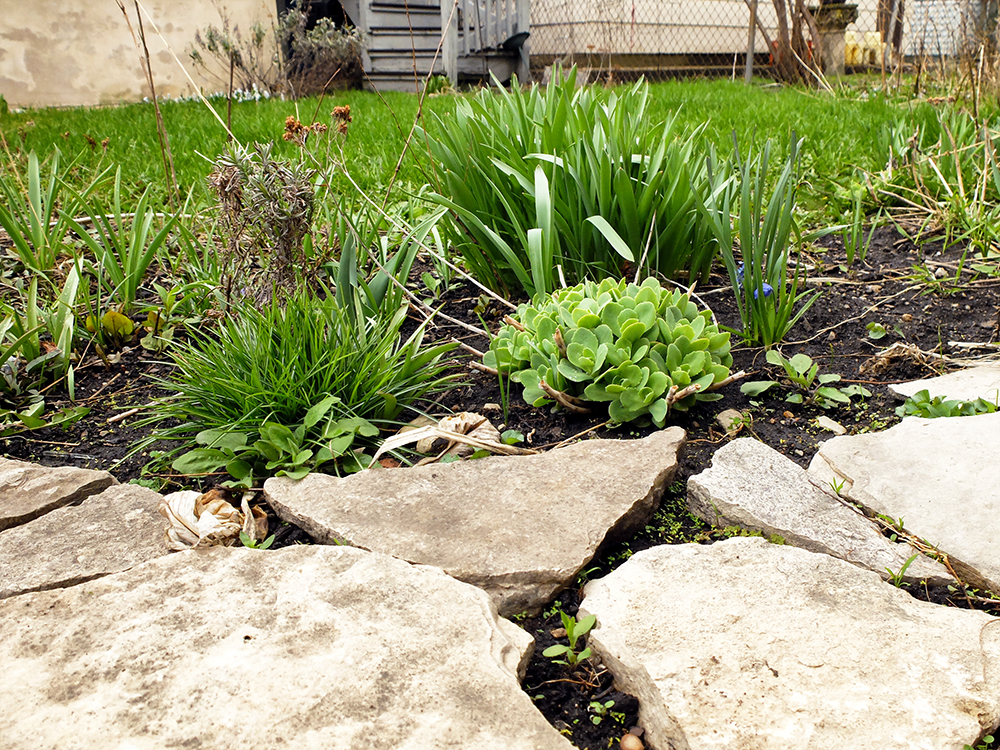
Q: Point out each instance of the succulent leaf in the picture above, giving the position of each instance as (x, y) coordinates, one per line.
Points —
(614, 342)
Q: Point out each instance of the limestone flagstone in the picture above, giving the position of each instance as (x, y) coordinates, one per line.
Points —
(28, 491)
(107, 533)
(979, 381)
(754, 486)
(746, 644)
(520, 527)
(311, 647)
(940, 476)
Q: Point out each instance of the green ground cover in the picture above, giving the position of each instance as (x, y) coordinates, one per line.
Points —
(838, 132)
(528, 193)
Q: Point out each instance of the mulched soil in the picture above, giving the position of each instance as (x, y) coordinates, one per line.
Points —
(923, 318)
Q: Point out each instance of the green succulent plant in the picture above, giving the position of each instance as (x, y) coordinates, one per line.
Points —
(643, 349)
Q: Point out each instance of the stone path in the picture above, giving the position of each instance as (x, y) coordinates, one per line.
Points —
(520, 527)
(107, 639)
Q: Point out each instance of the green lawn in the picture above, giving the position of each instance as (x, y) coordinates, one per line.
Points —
(839, 131)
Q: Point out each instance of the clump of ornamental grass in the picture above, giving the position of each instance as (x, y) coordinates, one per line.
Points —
(274, 365)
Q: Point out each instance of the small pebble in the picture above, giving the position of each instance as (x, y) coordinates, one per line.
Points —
(828, 424)
(832, 336)
(788, 415)
(490, 406)
(630, 742)
(730, 420)
(906, 317)
(940, 273)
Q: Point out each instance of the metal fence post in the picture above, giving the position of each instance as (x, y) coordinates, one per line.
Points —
(751, 41)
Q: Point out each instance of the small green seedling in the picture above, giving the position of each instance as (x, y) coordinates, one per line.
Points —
(575, 629)
(512, 437)
(876, 331)
(599, 710)
(838, 487)
(808, 386)
(984, 744)
(249, 543)
(895, 523)
(896, 579)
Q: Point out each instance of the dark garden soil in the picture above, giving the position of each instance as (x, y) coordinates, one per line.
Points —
(899, 288)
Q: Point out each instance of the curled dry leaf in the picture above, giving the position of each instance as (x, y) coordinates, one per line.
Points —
(178, 509)
(463, 423)
(208, 519)
(254, 521)
(481, 435)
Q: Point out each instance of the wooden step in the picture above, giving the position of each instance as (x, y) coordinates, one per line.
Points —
(401, 7)
(398, 63)
(402, 44)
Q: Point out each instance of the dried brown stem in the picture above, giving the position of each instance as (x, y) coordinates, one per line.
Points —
(564, 399)
(511, 322)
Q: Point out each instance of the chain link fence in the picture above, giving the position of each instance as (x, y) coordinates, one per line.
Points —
(673, 38)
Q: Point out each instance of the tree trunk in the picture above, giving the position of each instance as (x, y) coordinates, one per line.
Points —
(794, 60)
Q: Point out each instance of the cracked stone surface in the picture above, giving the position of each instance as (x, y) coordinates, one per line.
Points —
(754, 486)
(941, 476)
(28, 491)
(520, 527)
(746, 644)
(312, 647)
(107, 533)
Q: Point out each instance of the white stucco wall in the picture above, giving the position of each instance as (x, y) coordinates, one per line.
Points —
(80, 52)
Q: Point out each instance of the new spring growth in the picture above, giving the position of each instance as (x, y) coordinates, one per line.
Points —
(768, 289)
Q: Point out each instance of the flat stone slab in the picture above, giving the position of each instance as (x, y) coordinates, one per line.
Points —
(520, 527)
(745, 644)
(107, 533)
(28, 491)
(941, 476)
(754, 486)
(979, 381)
(314, 648)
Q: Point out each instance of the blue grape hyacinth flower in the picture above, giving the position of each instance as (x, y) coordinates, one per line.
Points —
(767, 288)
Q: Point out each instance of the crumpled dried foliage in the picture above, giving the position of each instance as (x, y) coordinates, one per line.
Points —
(209, 520)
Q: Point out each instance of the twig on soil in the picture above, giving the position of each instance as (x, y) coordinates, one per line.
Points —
(76, 456)
(47, 442)
(974, 344)
(723, 383)
(100, 390)
(483, 368)
(123, 415)
(569, 402)
(947, 563)
(470, 349)
(867, 310)
(577, 436)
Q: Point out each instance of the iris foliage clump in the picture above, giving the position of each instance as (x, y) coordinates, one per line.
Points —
(642, 349)
(572, 178)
